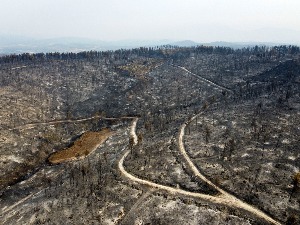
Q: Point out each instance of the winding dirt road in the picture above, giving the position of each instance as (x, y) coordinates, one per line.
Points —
(235, 202)
(225, 198)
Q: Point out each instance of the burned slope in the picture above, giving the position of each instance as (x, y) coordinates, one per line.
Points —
(249, 144)
(93, 190)
(285, 72)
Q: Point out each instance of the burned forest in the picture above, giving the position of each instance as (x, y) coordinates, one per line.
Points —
(151, 135)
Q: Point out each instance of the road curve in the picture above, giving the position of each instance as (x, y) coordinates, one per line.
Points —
(225, 198)
(235, 202)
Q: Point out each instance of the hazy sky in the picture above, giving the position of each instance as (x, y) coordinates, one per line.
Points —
(211, 20)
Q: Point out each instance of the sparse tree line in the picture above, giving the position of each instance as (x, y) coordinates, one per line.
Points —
(166, 51)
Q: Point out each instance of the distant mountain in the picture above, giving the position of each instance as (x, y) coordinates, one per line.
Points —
(236, 45)
(10, 44)
(185, 43)
(18, 44)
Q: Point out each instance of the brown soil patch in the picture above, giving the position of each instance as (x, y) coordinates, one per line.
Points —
(82, 147)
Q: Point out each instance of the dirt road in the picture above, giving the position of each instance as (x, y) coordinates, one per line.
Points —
(225, 198)
(204, 79)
